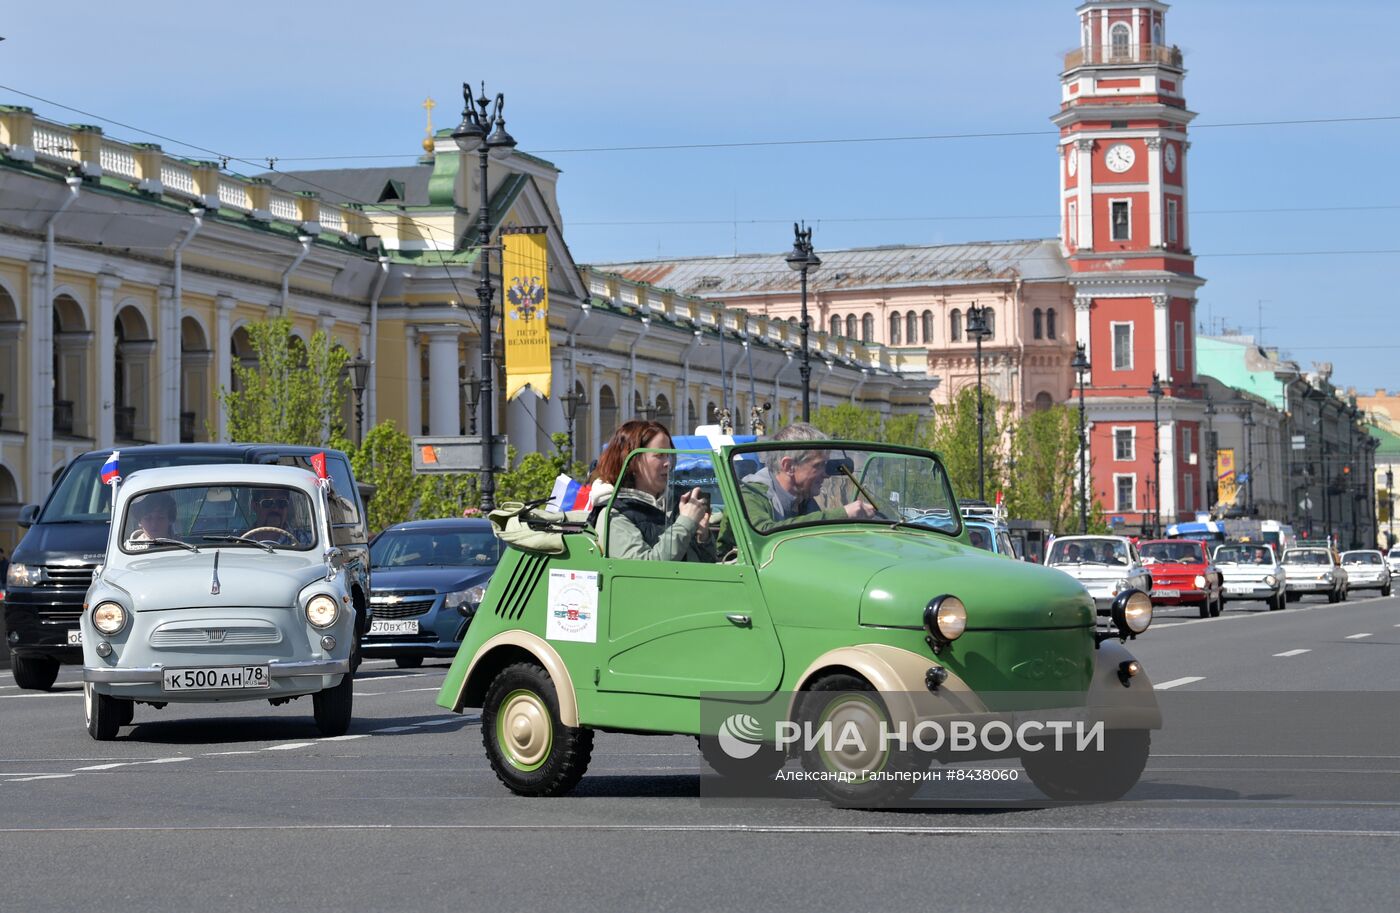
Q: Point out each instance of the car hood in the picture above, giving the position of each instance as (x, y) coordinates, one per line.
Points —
(63, 543)
(1174, 571)
(247, 577)
(1249, 571)
(437, 579)
(1096, 573)
(892, 575)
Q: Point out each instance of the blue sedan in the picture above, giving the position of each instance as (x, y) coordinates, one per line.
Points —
(428, 578)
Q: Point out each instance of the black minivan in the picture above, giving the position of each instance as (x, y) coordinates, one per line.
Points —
(52, 566)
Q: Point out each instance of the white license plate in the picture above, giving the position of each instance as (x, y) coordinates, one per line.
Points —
(1165, 593)
(215, 678)
(1239, 588)
(386, 626)
(75, 638)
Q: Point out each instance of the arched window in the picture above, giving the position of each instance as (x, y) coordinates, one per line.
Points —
(928, 326)
(835, 325)
(607, 413)
(1037, 324)
(955, 326)
(1050, 323)
(1119, 37)
(1043, 401)
(1157, 33)
(850, 326)
(911, 328)
(894, 329)
(867, 328)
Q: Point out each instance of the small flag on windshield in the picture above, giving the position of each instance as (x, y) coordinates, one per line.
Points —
(111, 470)
(318, 463)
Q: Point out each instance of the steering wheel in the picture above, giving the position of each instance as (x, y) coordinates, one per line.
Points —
(283, 537)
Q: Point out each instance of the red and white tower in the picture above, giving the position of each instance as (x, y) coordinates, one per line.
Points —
(1123, 224)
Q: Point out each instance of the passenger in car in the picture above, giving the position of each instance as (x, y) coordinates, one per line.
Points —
(635, 524)
(155, 518)
(787, 486)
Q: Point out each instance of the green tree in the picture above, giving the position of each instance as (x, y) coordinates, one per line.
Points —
(533, 477)
(1046, 449)
(385, 460)
(955, 438)
(852, 423)
(295, 394)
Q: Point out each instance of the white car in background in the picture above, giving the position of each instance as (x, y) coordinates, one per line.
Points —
(1105, 565)
(1367, 570)
(1392, 558)
(1252, 571)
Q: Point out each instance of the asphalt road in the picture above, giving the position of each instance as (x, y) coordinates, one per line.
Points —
(242, 806)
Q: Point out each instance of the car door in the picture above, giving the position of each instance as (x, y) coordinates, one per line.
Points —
(683, 628)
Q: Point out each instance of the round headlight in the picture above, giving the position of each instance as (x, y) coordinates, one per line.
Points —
(109, 618)
(1270, 579)
(322, 611)
(1132, 612)
(945, 618)
(1199, 582)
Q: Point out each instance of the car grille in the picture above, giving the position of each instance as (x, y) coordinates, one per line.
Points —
(241, 635)
(401, 603)
(58, 599)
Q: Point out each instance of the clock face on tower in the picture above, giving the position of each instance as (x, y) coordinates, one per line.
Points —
(1073, 157)
(1169, 158)
(1119, 158)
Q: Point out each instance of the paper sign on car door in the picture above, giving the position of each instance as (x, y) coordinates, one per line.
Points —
(573, 606)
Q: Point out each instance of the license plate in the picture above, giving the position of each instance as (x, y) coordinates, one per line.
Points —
(75, 638)
(1165, 593)
(1239, 588)
(386, 626)
(215, 678)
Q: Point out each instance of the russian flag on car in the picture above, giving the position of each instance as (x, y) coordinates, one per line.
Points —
(111, 470)
(568, 494)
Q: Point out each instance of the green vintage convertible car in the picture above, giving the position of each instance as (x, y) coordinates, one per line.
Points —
(882, 615)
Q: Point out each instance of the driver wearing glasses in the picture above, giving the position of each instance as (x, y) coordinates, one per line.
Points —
(272, 519)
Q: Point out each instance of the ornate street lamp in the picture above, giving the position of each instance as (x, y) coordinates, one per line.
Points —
(1249, 460)
(1081, 368)
(572, 403)
(471, 394)
(479, 116)
(1212, 487)
(804, 260)
(357, 369)
(977, 329)
(1155, 391)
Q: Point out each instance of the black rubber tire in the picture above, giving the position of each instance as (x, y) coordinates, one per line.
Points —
(1205, 609)
(1218, 607)
(765, 763)
(1385, 591)
(34, 673)
(101, 713)
(1334, 596)
(408, 662)
(1292, 597)
(1091, 776)
(128, 711)
(1346, 594)
(1278, 602)
(815, 708)
(333, 707)
(566, 753)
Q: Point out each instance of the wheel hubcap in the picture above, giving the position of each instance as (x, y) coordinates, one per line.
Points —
(524, 729)
(855, 736)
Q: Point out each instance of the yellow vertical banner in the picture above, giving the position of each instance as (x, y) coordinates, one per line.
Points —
(525, 324)
(1226, 485)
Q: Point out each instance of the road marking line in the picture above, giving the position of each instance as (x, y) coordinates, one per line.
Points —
(368, 693)
(104, 766)
(40, 777)
(345, 738)
(8, 697)
(1179, 681)
(1357, 636)
(1293, 653)
(411, 690)
(289, 746)
(395, 729)
(447, 722)
(215, 754)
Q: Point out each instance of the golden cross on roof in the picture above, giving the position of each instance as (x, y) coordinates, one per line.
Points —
(428, 106)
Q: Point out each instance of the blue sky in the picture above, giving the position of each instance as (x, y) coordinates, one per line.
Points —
(259, 79)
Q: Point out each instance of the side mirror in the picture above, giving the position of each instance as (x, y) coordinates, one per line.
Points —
(834, 467)
(335, 560)
(28, 515)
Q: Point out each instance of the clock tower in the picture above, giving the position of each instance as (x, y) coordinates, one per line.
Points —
(1123, 163)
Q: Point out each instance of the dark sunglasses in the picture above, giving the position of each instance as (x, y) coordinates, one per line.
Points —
(273, 503)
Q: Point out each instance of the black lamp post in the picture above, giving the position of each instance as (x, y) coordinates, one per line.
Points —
(804, 260)
(1155, 391)
(1212, 492)
(1390, 511)
(572, 403)
(977, 329)
(471, 392)
(1081, 368)
(1249, 460)
(357, 369)
(478, 116)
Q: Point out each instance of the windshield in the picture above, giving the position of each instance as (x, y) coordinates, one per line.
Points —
(219, 516)
(435, 548)
(82, 498)
(809, 483)
(1171, 552)
(1361, 558)
(1310, 556)
(1243, 554)
(1088, 551)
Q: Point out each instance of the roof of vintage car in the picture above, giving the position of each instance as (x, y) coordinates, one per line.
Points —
(216, 474)
(207, 447)
(463, 523)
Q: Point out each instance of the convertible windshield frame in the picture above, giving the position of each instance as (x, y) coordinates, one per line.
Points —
(888, 515)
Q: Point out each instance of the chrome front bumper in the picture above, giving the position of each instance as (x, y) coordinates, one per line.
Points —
(276, 670)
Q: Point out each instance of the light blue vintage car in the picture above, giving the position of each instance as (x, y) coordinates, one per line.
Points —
(220, 583)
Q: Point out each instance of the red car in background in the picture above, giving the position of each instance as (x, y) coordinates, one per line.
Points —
(1182, 574)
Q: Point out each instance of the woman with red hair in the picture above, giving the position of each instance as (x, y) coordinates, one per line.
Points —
(635, 524)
